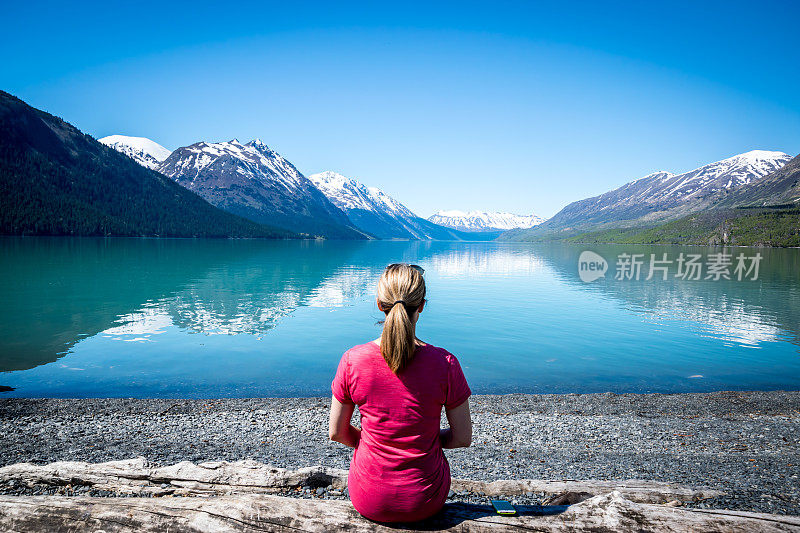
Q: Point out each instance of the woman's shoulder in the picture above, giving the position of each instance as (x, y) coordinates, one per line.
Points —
(371, 350)
(439, 353)
(362, 350)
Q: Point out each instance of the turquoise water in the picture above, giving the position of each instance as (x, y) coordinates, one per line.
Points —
(221, 318)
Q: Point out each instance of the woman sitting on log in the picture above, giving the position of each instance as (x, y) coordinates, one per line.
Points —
(400, 384)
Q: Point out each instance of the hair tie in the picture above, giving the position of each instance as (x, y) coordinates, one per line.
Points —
(399, 302)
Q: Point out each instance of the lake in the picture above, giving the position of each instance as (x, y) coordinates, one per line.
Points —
(175, 318)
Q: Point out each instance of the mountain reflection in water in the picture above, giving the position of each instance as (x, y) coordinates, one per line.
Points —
(212, 318)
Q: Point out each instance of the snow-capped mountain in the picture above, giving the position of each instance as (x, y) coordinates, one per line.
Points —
(369, 208)
(778, 188)
(482, 221)
(727, 174)
(377, 213)
(147, 153)
(348, 194)
(254, 181)
(664, 196)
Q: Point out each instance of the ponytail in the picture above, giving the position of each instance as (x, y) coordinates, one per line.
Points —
(397, 338)
(401, 291)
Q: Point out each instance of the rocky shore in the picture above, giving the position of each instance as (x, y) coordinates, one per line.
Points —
(746, 444)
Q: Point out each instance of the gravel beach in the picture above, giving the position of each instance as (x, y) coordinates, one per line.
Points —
(744, 443)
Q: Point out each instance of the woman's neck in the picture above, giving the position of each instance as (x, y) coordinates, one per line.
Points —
(416, 341)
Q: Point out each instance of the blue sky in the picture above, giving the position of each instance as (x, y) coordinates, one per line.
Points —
(513, 106)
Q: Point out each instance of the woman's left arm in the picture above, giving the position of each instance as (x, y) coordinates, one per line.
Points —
(339, 427)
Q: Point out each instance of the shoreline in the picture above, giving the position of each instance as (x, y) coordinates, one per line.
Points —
(746, 444)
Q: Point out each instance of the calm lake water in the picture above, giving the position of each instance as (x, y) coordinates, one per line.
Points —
(219, 318)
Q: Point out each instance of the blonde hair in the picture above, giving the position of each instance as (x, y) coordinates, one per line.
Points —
(401, 290)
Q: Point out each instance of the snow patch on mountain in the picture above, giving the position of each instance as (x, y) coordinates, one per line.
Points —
(484, 221)
(141, 149)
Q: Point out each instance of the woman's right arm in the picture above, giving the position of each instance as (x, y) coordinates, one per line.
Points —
(459, 434)
(339, 427)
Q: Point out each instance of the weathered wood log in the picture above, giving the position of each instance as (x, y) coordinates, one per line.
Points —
(135, 476)
(637, 490)
(253, 513)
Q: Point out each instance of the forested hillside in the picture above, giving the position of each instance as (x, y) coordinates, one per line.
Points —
(55, 180)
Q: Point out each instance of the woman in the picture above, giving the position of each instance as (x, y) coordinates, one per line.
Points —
(400, 384)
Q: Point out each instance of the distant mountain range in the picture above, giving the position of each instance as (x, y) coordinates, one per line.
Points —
(661, 196)
(377, 213)
(254, 181)
(56, 180)
(483, 221)
(748, 199)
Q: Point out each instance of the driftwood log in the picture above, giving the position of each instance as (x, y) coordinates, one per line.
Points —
(250, 513)
(223, 496)
(137, 477)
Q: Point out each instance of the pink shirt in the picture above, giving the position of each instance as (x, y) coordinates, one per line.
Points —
(398, 471)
